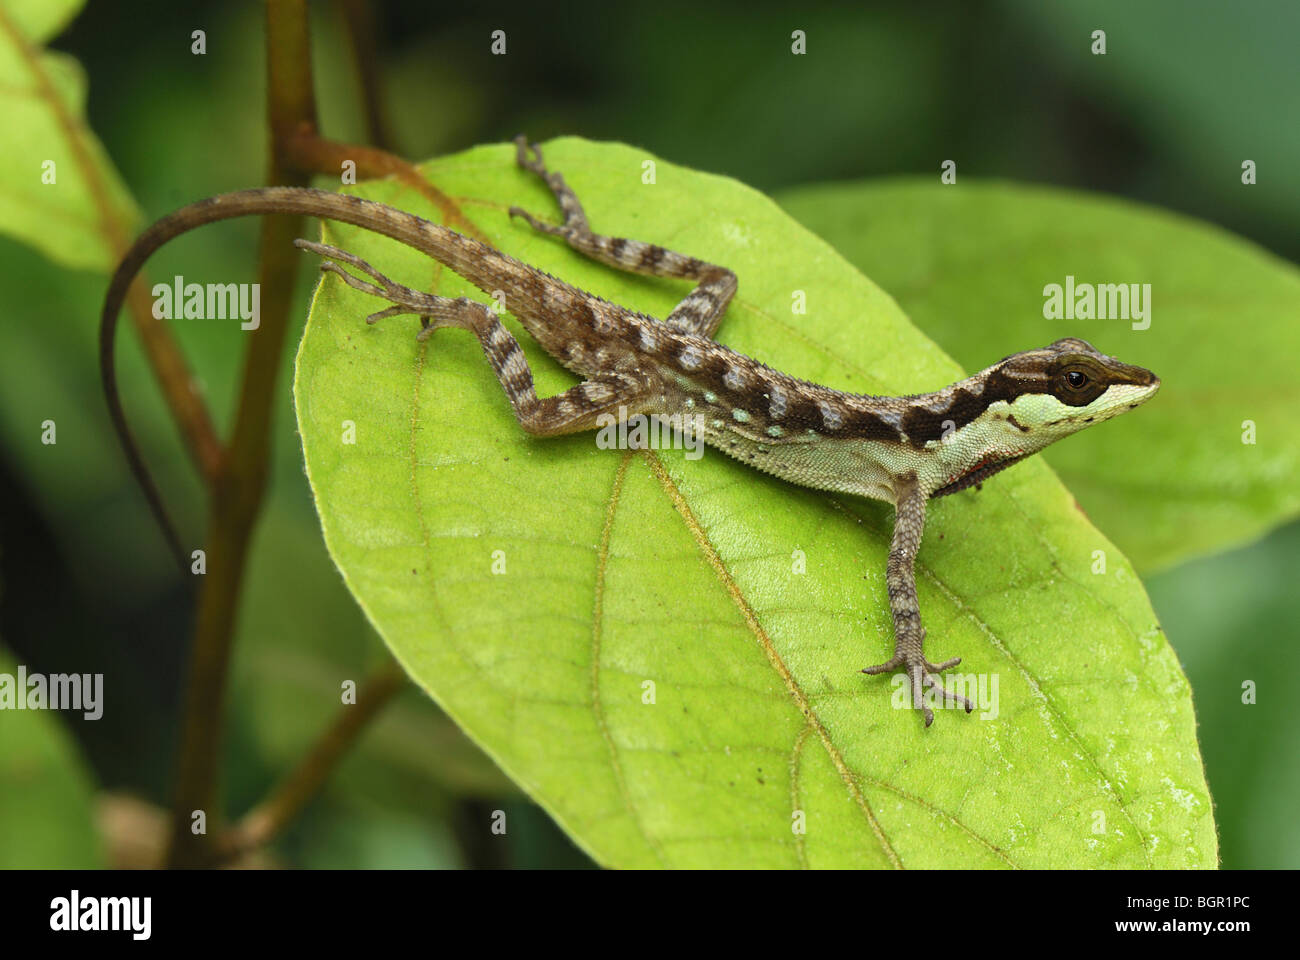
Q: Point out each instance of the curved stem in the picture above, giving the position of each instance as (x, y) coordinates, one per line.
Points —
(310, 151)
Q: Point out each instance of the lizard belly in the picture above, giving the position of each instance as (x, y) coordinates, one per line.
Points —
(864, 468)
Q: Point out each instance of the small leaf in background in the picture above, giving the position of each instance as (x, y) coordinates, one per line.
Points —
(46, 806)
(626, 634)
(1200, 81)
(1235, 621)
(969, 264)
(63, 195)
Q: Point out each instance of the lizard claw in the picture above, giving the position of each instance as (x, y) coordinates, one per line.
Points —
(886, 666)
(924, 675)
(575, 227)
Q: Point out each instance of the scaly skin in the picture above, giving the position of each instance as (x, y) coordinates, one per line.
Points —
(903, 450)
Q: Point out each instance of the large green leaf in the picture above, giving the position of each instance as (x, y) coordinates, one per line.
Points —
(626, 569)
(969, 263)
(63, 195)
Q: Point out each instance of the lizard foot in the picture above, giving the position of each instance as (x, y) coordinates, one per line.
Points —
(522, 149)
(428, 307)
(924, 676)
(575, 220)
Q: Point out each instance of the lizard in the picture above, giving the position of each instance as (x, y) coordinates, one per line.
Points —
(902, 450)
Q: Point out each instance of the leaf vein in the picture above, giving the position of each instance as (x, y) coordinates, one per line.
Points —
(769, 649)
(597, 621)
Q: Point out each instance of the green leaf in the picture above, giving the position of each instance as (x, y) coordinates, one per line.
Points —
(46, 799)
(1201, 124)
(1234, 618)
(297, 654)
(63, 195)
(969, 264)
(632, 577)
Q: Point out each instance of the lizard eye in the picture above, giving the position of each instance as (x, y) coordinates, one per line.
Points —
(1077, 379)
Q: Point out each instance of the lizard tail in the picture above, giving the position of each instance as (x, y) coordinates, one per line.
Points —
(485, 267)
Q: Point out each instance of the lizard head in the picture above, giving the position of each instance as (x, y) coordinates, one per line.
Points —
(1020, 405)
(1069, 385)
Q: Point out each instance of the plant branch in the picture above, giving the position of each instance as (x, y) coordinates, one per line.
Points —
(179, 388)
(237, 495)
(265, 821)
(238, 485)
(309, 151)
(359, 19)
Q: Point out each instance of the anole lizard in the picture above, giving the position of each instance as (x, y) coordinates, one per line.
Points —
(903, 450)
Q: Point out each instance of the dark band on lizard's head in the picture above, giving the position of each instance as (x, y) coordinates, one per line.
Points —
(1047, 371)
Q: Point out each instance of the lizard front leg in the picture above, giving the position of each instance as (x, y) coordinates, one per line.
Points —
(702, 309)
(900, 577)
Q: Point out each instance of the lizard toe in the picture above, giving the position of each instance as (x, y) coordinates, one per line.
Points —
(941, 667)
(884, 667)
(936, 683)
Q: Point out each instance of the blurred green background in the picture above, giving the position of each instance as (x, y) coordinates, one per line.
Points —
(1008, 88)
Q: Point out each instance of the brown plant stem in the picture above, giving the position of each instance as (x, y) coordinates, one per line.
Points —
(180, 389)
(307, 150)
(238, 476)
(359, 20)
(241, 481)
(265, 821)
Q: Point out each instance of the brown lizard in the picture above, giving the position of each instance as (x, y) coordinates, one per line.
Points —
(903, 450)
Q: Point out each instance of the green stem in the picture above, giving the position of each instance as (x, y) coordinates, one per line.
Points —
(241, 480)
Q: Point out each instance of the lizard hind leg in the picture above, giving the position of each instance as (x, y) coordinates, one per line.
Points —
(429, 307)
(578, 408)
(698, 314)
